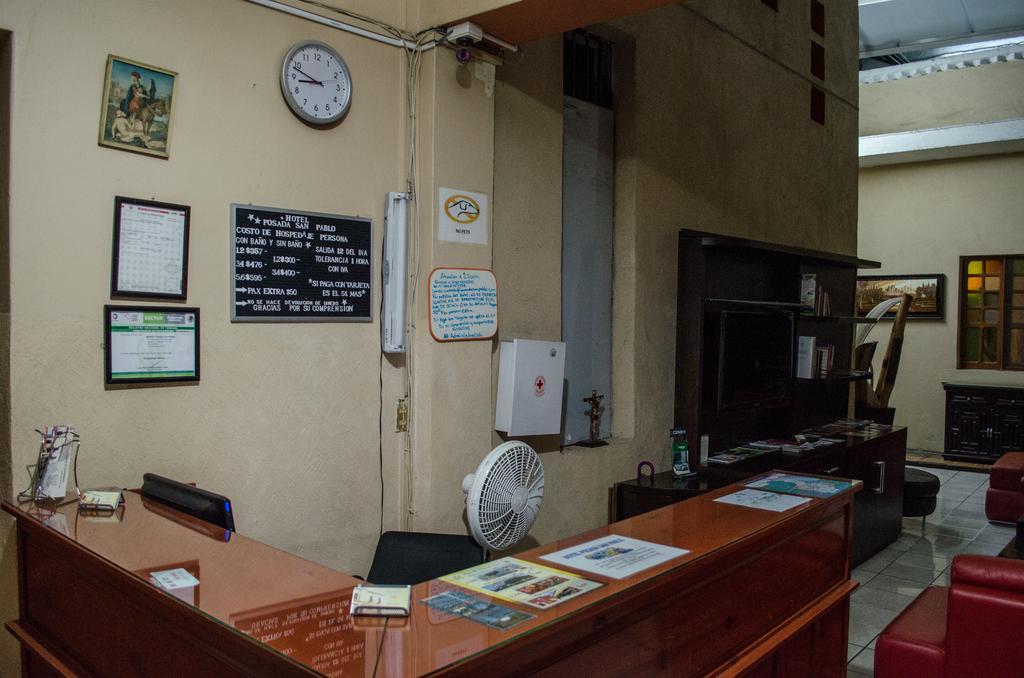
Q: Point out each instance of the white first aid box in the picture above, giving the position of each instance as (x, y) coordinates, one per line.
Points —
(530, 377)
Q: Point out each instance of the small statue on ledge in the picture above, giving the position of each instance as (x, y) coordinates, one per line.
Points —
(595, 420)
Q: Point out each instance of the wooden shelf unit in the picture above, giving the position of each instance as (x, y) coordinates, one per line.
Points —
(722, 271)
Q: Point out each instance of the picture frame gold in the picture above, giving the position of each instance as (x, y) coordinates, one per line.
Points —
(137, 108)
(928, 290)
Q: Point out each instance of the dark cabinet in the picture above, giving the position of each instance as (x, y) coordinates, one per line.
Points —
(877, 461)
(878, 507)
(983, 422)
(647, 493)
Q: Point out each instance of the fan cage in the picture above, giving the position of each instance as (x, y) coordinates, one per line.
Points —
(502, 521)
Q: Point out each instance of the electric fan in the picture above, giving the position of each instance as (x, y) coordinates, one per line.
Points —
(503, 497)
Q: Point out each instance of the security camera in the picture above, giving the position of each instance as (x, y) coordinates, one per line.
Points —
(463, 55)
(466, 33)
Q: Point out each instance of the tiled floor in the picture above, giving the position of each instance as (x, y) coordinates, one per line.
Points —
(921, 556)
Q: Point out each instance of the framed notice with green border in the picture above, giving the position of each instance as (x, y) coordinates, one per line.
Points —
(150, 344)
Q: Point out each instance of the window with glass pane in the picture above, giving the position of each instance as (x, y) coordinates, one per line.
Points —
(992, 312)
(1015, 313)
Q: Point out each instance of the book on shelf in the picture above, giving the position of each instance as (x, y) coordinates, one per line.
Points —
(824, 356)
(767, 445)
(805, 357)
(735, 454)
(380, 600)
(808, 292)
(823, 303)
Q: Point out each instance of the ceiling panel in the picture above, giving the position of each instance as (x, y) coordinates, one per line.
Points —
(891, 23)
(995, 15)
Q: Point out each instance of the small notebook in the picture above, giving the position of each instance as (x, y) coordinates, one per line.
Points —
(381, 601)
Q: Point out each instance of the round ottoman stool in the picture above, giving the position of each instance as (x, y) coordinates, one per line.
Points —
(919, 491)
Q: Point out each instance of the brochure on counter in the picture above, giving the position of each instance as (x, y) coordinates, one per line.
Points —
(803, 486)
(614, 556)
(518, 581)
(461, 604)
(767, 501)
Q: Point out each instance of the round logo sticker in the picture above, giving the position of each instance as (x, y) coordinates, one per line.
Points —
(462, 209)
(538, 386)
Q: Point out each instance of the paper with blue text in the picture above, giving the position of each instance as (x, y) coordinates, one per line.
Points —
(614, 556)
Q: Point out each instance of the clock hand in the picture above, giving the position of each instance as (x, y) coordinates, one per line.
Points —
(307, 75)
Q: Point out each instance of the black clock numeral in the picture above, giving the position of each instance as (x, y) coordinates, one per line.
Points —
(318, 56)
(327, 107)
(296, 89)
(305, 57)
(293, 76)
(335, 74)
(337, 88)
(316, 108)
(304, 101)
(335, 99)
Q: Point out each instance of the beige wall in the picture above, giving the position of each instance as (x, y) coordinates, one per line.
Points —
(710, 135)
(980, 94)
(284, 412)
(452, 416)
(921, 217)
(285, 420)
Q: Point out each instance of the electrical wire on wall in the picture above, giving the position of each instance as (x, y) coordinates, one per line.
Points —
(414, 44)
(380, 414)
(413, 58)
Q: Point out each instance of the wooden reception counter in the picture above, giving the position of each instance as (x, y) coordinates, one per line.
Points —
(760, 593)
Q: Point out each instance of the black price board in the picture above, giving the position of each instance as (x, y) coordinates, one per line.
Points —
(291, 266)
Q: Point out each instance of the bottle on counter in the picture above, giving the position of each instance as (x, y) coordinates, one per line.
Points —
(680, 453)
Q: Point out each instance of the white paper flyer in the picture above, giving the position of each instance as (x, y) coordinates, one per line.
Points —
(768, 501)
(614, 556)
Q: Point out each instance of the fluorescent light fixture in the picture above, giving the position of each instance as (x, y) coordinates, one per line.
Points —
(392, 324)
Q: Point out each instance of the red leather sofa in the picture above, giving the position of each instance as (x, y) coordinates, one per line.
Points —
(973, 628)
(1005, 497)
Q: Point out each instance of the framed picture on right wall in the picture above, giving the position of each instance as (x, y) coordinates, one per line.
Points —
(928, 290)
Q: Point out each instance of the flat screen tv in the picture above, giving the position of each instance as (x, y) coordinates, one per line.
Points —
(750, 353)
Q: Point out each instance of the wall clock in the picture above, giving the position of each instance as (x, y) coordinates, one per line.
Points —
(316, 83)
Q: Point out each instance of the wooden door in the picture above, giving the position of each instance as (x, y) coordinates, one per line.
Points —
(966, 422)
(1006, 427)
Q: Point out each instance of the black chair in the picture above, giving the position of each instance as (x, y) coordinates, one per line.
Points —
(414, 557)
(207, 506)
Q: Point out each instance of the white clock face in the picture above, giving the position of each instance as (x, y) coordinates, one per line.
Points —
(316, 83)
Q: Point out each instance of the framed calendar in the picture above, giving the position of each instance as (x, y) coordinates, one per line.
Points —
(150, 257)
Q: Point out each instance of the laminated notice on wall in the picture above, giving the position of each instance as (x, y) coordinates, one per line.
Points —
(463, 216)
(463, 304)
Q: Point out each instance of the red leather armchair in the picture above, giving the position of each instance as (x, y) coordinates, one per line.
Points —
(973, 628)
(1005, 497)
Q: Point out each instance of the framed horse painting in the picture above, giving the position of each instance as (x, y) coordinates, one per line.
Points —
(138, 107)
